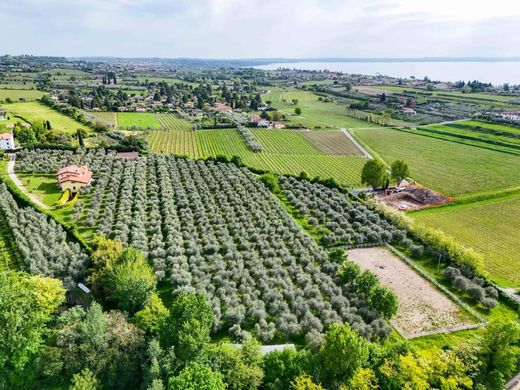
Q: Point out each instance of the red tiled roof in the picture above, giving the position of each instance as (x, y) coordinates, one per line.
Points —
(75, 169)
(6, 136)
(84, 178)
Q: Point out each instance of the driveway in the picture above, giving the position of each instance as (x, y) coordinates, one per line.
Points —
(12, 175)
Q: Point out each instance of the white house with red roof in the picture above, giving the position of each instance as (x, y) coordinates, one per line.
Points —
(74, 177)
(7, 141)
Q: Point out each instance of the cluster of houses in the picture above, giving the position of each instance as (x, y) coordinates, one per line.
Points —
(261, 122)
(513, 116)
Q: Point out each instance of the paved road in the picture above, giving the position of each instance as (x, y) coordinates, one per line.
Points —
(361, 148)
(18, 183)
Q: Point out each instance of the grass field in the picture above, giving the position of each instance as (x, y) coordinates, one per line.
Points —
(138, 120)
(110, 117)
(33, 111)
(315, 112)
(489, 227)
(17, 94)
(334, 143)
(449, 167)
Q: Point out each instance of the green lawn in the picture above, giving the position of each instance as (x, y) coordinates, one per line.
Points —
(17, 94)
(448, 167)
(490, 227)
(138, 120)
(33, 111)
(314, 112)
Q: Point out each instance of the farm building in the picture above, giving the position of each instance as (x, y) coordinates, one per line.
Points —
(74, 177)
(7, 141)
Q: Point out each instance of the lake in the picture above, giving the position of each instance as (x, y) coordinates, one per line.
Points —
(497, 73)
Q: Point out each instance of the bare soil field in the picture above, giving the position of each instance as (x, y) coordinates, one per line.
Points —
(412, 197)
(422, 308)
(334, 143)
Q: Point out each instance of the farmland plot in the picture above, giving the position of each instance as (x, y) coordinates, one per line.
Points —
(216, 229)
(490, 228)
(422, 308)
(334, 143)
(448, 167)
(137, 120)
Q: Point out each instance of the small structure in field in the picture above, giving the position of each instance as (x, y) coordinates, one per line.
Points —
(3, 115)
(7, 141)
(127, 156)
(74, 177)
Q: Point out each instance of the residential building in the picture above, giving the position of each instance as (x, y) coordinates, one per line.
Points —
(74, 177)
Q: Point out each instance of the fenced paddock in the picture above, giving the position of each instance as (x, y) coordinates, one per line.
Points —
(423, 308)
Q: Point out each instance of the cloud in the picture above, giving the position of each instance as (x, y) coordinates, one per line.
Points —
(261, 28)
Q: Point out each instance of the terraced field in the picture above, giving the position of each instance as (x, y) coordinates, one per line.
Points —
(489, 227)
(333, 143)
(450, 167)
(137, 120)
(33, 111)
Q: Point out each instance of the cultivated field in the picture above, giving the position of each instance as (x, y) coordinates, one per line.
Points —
(179, 142)
(108, 117)
(491, 227)
(345, 169)
(33, 111)
(19, 94)
(314, 112)
(171, 121)
(137, 120)
(449, 167)
(283, 142)
(422, 308)
(334, 143)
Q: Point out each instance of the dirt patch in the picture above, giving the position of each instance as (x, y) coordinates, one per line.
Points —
(412, 197)
(333, 143)
(422, 308)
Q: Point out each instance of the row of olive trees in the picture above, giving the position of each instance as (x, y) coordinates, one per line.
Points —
(42, 242)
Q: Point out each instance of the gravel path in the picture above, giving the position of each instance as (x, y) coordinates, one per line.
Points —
(361, 148)
(12, 175)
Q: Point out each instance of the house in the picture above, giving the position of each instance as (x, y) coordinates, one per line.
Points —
(74, 177)
(263, 123)
(7, 141)
(408, 110)
(511, 116)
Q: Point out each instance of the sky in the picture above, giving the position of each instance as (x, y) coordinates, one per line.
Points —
(261, 28)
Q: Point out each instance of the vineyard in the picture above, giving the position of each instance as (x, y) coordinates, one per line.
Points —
(487, 227)
(450, 167)
(333, 143)
(214, 228)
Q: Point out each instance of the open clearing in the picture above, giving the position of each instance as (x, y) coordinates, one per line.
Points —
(422, 308)
(449, 167)
(334, 143)
(314, 112)
(492, 228)
(18, 94)
(137, 120)
(33, 111)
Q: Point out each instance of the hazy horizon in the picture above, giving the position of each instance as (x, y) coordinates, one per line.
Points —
(246, 29)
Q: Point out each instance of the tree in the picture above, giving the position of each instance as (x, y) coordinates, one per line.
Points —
(271, 182)
(105, 343)
(500, 351)
(197, 376)
(131, 281)
(344, 351)
(150, 318)
(363, 379)
(374, 173)
(85, 380)
(26, 306)
(338, 255)
(26, 136)
(298, 111)
(295, 101)
(304, 382)
(282, 367)
(187, 327)
(399, 170)
(384, 301)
